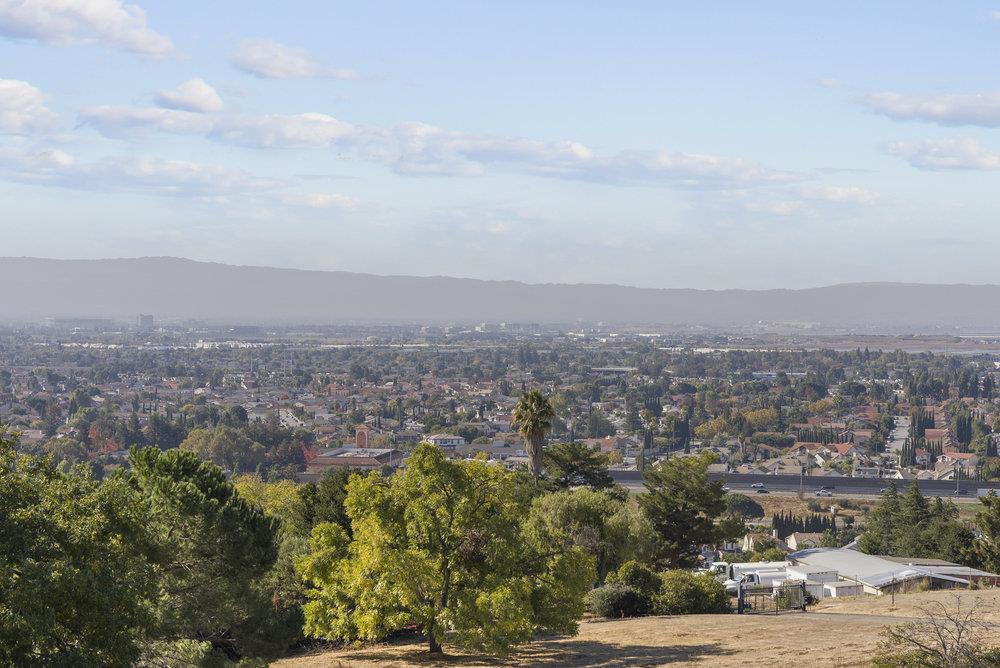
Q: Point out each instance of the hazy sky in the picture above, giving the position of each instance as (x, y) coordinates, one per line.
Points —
(665, 144)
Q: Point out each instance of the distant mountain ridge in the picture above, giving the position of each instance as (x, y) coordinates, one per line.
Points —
(172, 288)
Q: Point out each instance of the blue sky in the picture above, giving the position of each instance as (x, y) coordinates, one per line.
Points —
(709, 145)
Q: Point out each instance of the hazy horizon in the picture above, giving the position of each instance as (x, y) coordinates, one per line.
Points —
(512, 279)
(175, 288)
(652, 145)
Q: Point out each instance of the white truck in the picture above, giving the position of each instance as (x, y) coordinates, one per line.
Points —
(748, 573)
(761, 578)
(723, 570)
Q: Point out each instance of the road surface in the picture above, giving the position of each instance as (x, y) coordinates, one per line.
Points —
(839, 486)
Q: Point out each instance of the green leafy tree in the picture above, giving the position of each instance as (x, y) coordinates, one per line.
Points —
(910, 526)
(533, 415)
(683, 505)
(441, 544)
(209, 546)
(985, 551)
(606, 527)
(227, 447)
(73, 584)
(881, 526)
(575, 464)
(323, 501)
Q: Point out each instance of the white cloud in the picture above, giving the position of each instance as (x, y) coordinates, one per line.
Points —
(66, 22)
(22, 108)
(285, 131)
(268, 59)
(147, 175)
(131, 174)
(957, 153)
(982, 109)
(841, 194)
(123, 121)
(421, 149)
(801, 201)
(321, 200)
(138, 174)
(193, 95)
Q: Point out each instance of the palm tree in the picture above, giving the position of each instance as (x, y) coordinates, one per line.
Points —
(533, 416)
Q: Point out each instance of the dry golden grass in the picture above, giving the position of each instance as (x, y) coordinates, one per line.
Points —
(843, 632)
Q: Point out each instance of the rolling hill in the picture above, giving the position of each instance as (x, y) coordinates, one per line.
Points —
(177, 288)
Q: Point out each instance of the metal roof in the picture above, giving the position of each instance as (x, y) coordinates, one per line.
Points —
(878, 572)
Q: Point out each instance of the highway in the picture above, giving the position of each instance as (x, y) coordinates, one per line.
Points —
(839, 486)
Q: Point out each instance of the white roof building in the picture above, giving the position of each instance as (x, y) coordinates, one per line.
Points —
(879, 574)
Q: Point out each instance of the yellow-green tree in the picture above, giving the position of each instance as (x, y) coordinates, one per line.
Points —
(441, 544)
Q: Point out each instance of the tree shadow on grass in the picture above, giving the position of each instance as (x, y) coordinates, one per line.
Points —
(569, 653)
(548, 653)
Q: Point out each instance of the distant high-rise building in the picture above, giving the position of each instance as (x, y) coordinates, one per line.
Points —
(144, 321)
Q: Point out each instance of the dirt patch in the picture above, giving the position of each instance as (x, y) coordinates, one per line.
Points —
(844, 632)
(774, 504)
(909, 605)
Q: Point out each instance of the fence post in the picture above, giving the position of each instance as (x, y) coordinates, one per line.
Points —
(739, 598)
(803, 599)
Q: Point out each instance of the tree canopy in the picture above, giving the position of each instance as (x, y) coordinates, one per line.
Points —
(909, 525)
(683, 506)
(575, 464)
(441, 544)
(72, 582)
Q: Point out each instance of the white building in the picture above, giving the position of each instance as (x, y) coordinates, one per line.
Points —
(446, 440)
(880, 575)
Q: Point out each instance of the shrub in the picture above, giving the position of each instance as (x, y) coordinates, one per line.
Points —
(742, 505)
(636, 576)
(815, 505)
(684, 593)
(769, 554)
(618, 600)
(635, 590)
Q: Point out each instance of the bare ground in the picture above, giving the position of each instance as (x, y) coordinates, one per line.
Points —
(842, 632)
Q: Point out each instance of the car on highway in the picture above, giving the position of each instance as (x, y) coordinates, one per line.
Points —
(761, 490)
(727, 488)
(823, 492)
(757, 485)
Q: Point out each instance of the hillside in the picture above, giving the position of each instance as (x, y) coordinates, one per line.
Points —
(178, 288)
(841, 632)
